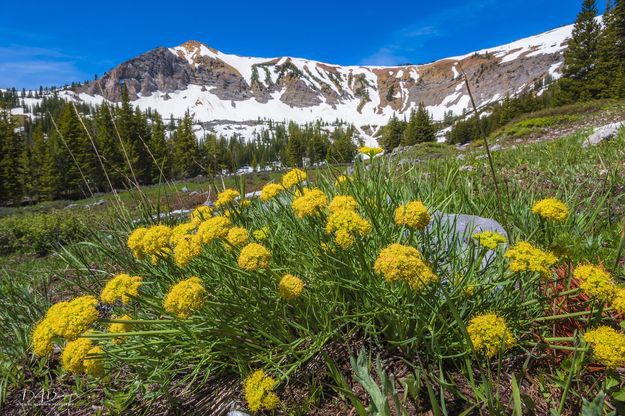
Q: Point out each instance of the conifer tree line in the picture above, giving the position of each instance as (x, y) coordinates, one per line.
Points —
(418, 128)
(594, 68)
(72, 150)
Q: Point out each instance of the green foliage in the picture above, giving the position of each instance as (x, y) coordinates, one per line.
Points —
(41, 233)
(580, 57)
(419, 128)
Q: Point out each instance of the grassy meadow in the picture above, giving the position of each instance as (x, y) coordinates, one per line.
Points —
(335, 292)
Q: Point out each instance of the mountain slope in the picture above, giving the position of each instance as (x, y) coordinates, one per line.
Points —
(229, 93)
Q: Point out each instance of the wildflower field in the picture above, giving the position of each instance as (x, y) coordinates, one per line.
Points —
(345, 293)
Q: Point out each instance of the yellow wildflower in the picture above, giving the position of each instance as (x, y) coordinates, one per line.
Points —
(135, 242)
(74, 355)
(215, 227)
(121, 287)
(595, 281)
(156, 241)
(489, 334)
(237, 236)
(608, 346)
(261, 233)
(258, 390)
(340, 180)
(293, 177)
(370, 151)
(618, 302)
(42, 337)
(201, 213)
(345, 225)
(343, 202)
(185, 297)
(489, 239)
(72, 318)
(226, 197)
(414, 215)
(187, 249)
(120, 327)
(270, 191)
(551, 209)
(399, 262)
(94, 366)
(254, 256)
(290, 287)
(311, 203)
(525, 257)
(181, 231)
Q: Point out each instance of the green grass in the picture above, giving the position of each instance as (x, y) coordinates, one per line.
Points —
(427, 363)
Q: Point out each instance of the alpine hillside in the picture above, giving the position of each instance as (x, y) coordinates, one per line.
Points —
(230, 94)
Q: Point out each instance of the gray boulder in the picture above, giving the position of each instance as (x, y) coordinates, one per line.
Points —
(459, 230)
(603, 133)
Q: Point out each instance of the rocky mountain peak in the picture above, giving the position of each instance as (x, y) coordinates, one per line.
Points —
(214, 85)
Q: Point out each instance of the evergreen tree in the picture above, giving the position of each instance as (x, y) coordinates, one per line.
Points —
(294, 150)
(145, 160)
(76, 157)
(580, 57)
(158, 147)
(610, 73)
(11, 169)
(343, 148)
(131, 146)
(392, 134)
(109, 148)
(185, 150)
(419, 129)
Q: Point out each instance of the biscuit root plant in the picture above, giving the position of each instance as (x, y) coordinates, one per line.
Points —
(257, 289)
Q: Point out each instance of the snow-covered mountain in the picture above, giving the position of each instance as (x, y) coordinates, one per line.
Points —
(229, 93)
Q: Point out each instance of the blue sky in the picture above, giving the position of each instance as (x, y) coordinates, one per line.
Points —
(53, 43)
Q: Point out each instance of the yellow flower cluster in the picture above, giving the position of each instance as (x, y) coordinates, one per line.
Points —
(270, 191)
(184, 297)
(66, 320)
(153, 242)
(121, 287)
(489, 239)
(343, 202)
(237, 236)
(186, 249)
(201, 213)
(525, 257)
(226, 197)
(261, 234)
(290, 287)
(293, 177)
(551, 209)
(135, 242)
(182, 231)
(489, 334)
(346, 225)
(340, 180)
(258, 390)
(399, 262)
(42, 338)
(311, 203)
(608, 346)
(75, 360)
(370, 151)
(254, 256)
(215, 227)
(119, 327)
(618, 303)
(413, 215)
(595, 281)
